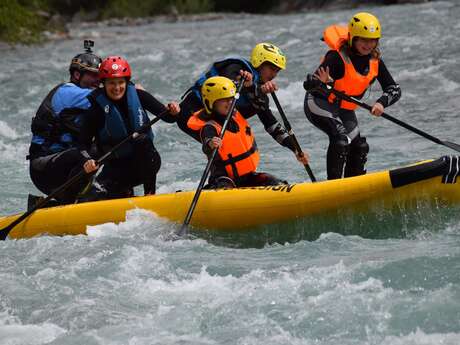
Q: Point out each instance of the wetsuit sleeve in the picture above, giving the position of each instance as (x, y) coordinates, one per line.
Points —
(260, 105)
(207, 133)
(391, 90)
(92, 120)
(217, 168)
(154, 106)
(336, 69)
(335, 64)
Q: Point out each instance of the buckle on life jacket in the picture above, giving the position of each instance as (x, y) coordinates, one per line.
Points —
(235, 159)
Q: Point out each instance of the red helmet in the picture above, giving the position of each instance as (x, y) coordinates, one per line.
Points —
(114, 67)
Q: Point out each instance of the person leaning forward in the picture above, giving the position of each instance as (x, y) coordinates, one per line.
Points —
(53, 153)
(117, 110)
(266, 62)
(237, 157)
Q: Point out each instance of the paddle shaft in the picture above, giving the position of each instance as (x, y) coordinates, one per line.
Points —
(288, 127)
(188, 217)
(5, 231)
(354, 100)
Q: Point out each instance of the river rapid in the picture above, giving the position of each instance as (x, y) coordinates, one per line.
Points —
(380, 280)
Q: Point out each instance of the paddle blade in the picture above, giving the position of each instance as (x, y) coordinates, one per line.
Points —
(453, 146)
(5, 231)
(3, 234)
(183, 230)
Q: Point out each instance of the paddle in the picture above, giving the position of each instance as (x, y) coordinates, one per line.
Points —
(6, 230)
(345, 97)
(288, 127)
(184, 228)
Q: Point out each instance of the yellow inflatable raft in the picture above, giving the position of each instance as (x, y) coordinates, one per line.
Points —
(246, 208)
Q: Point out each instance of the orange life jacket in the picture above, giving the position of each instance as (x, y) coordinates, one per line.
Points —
(238, 152)
(353, 83)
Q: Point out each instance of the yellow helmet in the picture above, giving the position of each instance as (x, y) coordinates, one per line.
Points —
(216, 88)
(267, 52)
(365, 25)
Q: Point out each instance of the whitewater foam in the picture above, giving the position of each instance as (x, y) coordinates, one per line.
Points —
(29, 334)
(7, 132)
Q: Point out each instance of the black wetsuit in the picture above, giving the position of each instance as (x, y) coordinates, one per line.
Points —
(347, 152)
(50, 172)
(120, 175)
(258, 105)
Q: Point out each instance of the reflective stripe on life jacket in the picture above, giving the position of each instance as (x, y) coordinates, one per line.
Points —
(56, 124)
(115, 129)
(353, 83)
(238, 153)
(214, 71)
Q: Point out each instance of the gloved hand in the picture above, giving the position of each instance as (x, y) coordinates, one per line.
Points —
(311, 83)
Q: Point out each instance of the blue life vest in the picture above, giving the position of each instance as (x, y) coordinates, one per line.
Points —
(213, 71)
(114, 129)
(56, 124)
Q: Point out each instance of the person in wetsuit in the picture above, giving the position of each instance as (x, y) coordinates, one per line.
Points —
(237, 157)
(53, 153)
(265, 63)
(117, 110)
(351, 66)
